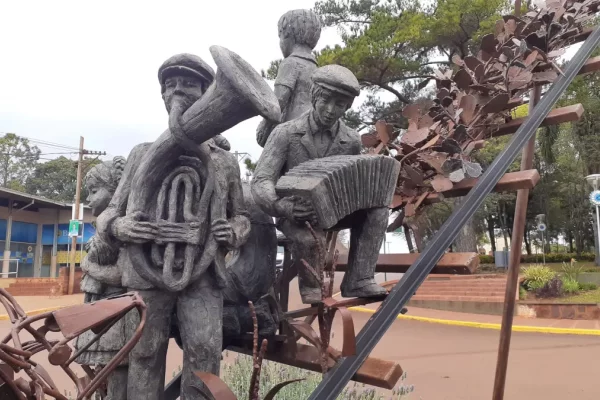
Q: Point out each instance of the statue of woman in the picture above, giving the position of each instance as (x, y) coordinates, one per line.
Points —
(102, 278)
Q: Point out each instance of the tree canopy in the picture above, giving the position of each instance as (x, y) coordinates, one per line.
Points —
(18, 159)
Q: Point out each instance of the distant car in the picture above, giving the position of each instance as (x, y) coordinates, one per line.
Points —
(279, 258)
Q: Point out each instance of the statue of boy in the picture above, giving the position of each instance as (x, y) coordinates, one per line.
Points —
(299, 32)
(198, 307)
(316, 134)
(103, 279)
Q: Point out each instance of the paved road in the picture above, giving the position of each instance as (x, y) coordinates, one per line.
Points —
(455, 363)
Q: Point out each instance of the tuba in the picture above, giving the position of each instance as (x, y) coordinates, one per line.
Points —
(169, 194)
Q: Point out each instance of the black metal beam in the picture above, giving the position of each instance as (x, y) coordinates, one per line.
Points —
(335, 381)
(173, 388)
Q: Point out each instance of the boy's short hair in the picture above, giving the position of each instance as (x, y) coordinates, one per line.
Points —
(303, 25)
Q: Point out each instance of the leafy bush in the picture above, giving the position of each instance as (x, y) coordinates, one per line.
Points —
(522, 293)
(571, 271)
(238, 373)
(588, 286)
(558, 257)
(537, 276)
(569, 285)
(485, 259)
(553, 288)
(550, 258)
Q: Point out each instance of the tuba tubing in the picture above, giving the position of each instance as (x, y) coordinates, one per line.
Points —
(237, 93)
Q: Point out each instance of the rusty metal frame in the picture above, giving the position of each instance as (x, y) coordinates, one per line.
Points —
(70, 322)
(370, 335)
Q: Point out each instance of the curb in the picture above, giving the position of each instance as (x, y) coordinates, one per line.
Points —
(486, 325)
(4, 317)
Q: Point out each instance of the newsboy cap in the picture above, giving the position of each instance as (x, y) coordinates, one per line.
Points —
(337, 78)
(186, 64)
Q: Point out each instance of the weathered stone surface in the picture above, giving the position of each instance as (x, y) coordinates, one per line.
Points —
(318, 135)
(299, 32)
(102, 278)
(179, 209)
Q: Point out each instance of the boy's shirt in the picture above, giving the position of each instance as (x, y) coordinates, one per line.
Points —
(295, 72)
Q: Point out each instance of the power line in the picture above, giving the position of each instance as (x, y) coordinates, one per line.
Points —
(43, 142)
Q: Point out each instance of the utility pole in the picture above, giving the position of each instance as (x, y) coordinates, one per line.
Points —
(73, 254)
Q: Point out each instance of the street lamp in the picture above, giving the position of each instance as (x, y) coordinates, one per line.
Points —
(594, 181)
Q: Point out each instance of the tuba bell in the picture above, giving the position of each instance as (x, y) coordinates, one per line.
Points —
(237, 93)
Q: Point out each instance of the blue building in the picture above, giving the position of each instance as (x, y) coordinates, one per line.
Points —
(34, 234)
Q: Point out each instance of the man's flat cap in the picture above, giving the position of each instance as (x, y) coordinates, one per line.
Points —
(337, 78)
(186, 64)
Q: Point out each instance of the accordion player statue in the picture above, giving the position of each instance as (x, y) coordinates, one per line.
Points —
(311, 170)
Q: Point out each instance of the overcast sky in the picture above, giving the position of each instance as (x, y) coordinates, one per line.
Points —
(70, 68)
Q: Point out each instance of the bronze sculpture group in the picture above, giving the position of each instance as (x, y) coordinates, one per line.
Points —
(176, 225)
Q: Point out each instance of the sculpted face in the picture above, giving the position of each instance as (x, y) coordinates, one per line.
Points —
(286, 44)
(184, 90)
(330, 106)
(99, 196)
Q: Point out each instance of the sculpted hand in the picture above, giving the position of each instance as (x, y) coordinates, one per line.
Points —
(304, 211)
(132, 229)
(222, 231)
(296, 209)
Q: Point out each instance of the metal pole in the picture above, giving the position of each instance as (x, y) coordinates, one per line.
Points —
(74, 239)
(543, 249)
(514, 263)
(335, 381)
(598, 226)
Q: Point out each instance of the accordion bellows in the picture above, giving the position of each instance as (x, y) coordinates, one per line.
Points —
(339, 186)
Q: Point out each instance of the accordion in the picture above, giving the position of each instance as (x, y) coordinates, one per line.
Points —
(339, 186)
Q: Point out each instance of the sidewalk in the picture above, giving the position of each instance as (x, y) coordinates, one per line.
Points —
(464, 319)
(43, 303)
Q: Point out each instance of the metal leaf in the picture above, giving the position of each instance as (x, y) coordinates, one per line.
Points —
(510, 27)
(521, 80)
(425, 122)
(535, 40)
(410, 210)
(476, 145)
(468, 104)
(531, 58)
(415, 176)
(214, 386)
(488, 43)
(499, 27)
(411, 111)
(412, 138)
(423, 84)
(369, 139)
(443, 93)
(472, 170)
(447, 101)
(463, 79)
(479, 72)
(435, 160)
(545, 76)
(457, 60)
(441, 184)
(460, 133)
(431, 143)
(451, 147)
(496, 104)
(472, 62)
(451, 165)
(457, 176)
(275, 389)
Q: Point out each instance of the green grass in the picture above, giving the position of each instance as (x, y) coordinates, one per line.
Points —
(592, 296)
(237, 376)
(491, 269)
